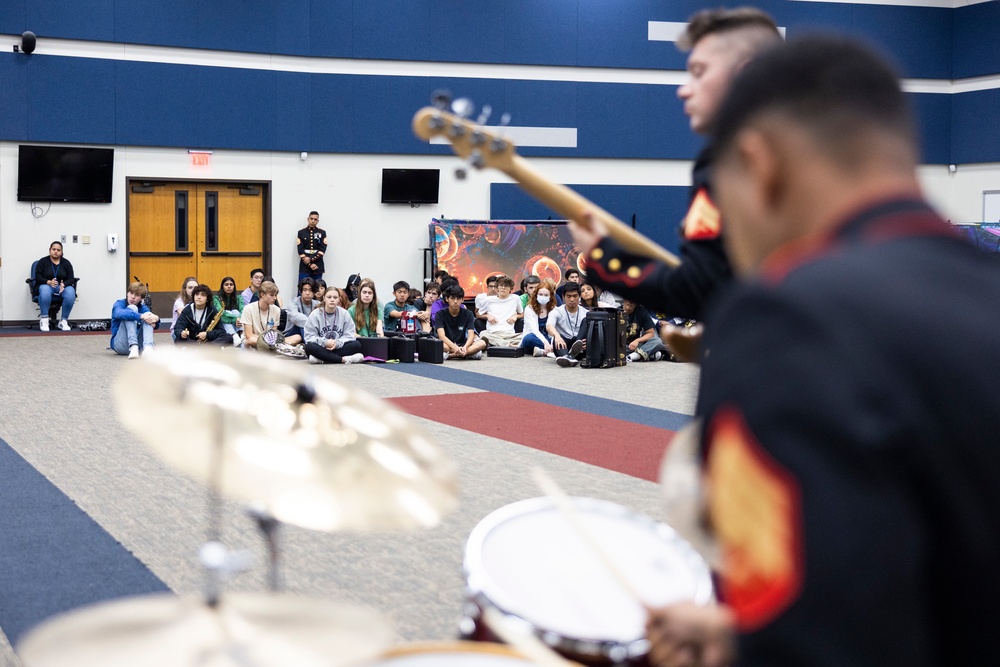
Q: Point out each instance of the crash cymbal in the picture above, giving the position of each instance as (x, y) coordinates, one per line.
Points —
(313, 452)
(257, 630)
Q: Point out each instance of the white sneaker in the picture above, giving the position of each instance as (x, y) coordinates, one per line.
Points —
(477, 355)
(133, 352)
(63, 325)
(445, 356)
(315, 360)
(353, 358)
(635, 356)
(538, 352)
(550, 355)
(43, 324)
(237, 340)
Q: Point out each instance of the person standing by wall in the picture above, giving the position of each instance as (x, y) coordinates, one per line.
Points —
(311, 246)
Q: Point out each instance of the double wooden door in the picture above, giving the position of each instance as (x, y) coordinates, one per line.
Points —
(205, 230)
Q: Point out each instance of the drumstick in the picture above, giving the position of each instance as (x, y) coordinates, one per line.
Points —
(565, 507)
(523, 640)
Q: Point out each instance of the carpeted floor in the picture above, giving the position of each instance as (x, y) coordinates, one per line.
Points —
(89, 513)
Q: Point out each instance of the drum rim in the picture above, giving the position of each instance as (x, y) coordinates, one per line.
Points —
(482, 589)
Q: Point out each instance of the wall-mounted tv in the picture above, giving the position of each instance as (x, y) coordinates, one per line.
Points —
(410, 186)
(65, 174)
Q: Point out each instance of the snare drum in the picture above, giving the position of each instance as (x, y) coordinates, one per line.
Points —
(451, 654)
(527, 561)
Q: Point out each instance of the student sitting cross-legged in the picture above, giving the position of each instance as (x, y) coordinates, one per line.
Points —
(541, 302)
(502, 311)
(566, 324)
(640, 333)
(456, 329)
(199, 321)
(330, 333)
(132, 323)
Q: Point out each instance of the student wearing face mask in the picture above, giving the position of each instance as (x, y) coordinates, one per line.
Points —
(541, 302)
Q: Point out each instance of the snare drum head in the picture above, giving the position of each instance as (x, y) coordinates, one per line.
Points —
(451, 654)
(527, 560)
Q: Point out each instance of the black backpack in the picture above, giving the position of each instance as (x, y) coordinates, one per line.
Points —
(605, 335)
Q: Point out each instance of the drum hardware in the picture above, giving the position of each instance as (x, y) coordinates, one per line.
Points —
(518, 634)
(268, 527)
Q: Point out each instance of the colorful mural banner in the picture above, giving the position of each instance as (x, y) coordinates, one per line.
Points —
(474, 250)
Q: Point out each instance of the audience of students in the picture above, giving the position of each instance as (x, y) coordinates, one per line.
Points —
(197, 323)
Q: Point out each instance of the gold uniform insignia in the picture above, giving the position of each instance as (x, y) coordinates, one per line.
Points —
(754, 509)
(703, 220)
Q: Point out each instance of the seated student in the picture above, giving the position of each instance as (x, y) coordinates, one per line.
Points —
(502, 311)
(298, 310)
(231, 304)
(320, 289)
(440, 275)
(480, 303)
(54, 277)
(250, 293)
(455, 328)
(442, 303)
(640, 333)
(541, 303)
(278, 301)
(350, 292)
(367, 311)
(394, 310)
(566, 325)
(260, 317)
(572, 277)
(132, 323)
(330, 333)
(591, 296)
(199, 321)
(531, 284)
(432, 291)
(182, 300)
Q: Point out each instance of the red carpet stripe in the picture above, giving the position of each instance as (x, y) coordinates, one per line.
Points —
(615, 444)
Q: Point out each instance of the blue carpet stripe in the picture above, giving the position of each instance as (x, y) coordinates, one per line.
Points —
(53, 557)
(566, 399)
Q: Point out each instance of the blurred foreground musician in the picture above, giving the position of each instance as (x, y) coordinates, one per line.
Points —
(853, 474)
(721, 42)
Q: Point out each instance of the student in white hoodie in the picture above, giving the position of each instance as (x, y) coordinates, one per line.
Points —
(330, 333)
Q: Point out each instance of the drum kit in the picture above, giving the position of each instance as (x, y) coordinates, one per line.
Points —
(304, 450)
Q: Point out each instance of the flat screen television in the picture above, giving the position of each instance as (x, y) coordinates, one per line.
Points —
(65, 174)
(410, 186)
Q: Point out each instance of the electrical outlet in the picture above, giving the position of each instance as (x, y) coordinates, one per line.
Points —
(62, 239)
(76, 239)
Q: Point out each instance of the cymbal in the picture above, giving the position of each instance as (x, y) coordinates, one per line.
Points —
(310, 451)
(258, 630)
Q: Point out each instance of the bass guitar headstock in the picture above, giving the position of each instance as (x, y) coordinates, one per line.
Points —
(471, 141)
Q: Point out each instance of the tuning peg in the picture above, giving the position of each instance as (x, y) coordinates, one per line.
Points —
(498, 144)
(441, 98)
(463, 107)
(484, 115)
(476, 159)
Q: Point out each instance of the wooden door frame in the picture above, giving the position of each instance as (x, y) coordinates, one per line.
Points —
(265, 193)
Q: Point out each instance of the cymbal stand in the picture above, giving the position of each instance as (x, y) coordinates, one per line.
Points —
(268, 527)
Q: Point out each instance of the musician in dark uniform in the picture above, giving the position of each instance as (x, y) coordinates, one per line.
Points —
(852, 472)
(311, 246)
(721, 42)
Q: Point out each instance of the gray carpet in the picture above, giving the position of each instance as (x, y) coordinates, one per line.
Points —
(58, 414)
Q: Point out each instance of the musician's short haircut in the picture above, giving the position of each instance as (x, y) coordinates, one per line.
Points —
(138, 289)
(756, 26)
(268, 287)
(202, 289)
(839, 91)
(313, 212)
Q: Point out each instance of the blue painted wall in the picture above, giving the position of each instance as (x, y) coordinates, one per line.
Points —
(977, 40)
(658, 210)
(587, 33)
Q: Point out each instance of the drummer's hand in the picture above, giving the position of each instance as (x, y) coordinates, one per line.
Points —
(588, 232)
(689, 635)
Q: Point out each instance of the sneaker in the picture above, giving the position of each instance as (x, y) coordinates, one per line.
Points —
(538, 352)
(43, 324)
(567, 362)
(657, 356)
(133, 352)
(237, 340)
(550, 355)
(63, 325)
(576, 349)
(446, 356)
(353, 358)
(634, 356)
(477, 355)
(315, 360)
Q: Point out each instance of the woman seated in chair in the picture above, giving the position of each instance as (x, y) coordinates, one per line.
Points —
(54, 277)
(199, 321)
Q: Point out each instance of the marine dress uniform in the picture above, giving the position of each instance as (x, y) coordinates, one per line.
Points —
(311, 246)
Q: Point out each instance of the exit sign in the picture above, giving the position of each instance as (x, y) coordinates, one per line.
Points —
(201, 159)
